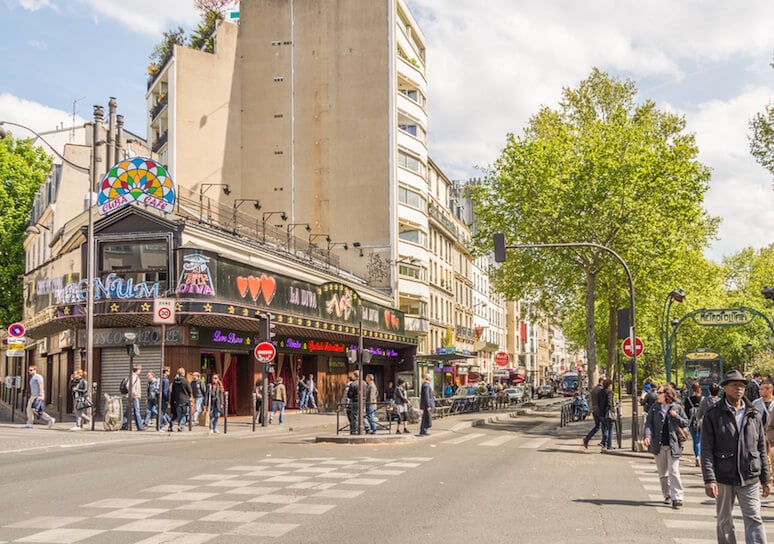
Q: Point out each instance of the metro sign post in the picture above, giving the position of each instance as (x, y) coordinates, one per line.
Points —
(626, 347)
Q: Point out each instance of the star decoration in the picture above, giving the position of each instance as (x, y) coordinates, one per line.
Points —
(245, 311)
(178, 306)
(231, 310)
(67, 310)
(208, 307)
(145, 307)
(114, 307)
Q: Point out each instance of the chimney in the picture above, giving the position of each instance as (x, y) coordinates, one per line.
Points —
(119, 138)
(111, 135)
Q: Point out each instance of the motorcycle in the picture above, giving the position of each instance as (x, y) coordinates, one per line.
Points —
(580, 407)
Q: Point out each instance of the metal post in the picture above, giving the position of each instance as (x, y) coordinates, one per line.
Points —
(130, 408)
(265, 394)
(161, 383)
(255, 398)
(360, 411)
(225, 412)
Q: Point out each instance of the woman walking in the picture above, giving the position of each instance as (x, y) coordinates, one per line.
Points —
(691, 405)
(606, 409)
(214, 402)
(662, 441)
(80, 389)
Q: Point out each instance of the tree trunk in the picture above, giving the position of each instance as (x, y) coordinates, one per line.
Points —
(591, 337)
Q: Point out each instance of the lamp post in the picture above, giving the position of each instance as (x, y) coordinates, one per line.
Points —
(362, 357)
(499, 255)
(677, 295)
(292, 226)
(238, 202)
(131, 350)
(203, 189)
(265, 217)
(675, 325)
(90, 265)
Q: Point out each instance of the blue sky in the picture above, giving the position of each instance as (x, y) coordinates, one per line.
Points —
(490, 67)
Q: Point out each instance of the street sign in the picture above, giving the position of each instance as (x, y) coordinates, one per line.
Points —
(265, 352)
(16, 329)
(626, 347)
(501, 358)
(17, 343)
(164, 311)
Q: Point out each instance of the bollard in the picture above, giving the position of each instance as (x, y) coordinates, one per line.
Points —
(255, 398)
(59, 402)
(190, 414)
(225, 412)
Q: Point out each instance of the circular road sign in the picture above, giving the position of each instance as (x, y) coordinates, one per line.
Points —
(265, 352)
(626, 347)
(501, 358)
(164, 313)
(16, 330)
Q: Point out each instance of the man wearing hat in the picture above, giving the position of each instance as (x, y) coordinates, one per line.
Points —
(733, 461)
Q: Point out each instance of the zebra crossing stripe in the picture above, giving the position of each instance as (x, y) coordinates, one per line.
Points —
(463, 438)
(499, 441)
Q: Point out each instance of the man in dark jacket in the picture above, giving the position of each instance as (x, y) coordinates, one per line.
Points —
(427, 405)
(181, 398)
(733, 460)
(594, 395)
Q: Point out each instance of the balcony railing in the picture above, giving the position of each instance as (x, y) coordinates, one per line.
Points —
(160, 141)
(159, 107)
(416, 324)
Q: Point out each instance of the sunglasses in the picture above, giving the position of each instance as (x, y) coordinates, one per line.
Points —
(659, 392)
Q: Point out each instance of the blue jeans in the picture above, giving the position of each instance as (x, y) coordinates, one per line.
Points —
(304, 399)
(135, 407)
(425, 423)
(214, 415)
(595, 428)
(182, 414)
(198, 410)
(278, 405)
(151, 411)
(696, 438)
(370, 418)
(607, 433)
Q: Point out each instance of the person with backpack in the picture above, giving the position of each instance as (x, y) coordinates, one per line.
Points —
(401, 405)
(81, 402)
(648, 397)
(151, 398)
(691, 405)
(181, 393)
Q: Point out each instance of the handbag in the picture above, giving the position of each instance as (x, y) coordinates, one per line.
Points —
(83, 403)
(204, 418)
(682, 433)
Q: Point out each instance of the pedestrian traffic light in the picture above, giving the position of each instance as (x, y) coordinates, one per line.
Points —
(133, 350)
(266, 331)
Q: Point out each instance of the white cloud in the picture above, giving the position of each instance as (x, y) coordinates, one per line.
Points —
(34, 115)
(37, 44)
(35, 5)
(146, 16)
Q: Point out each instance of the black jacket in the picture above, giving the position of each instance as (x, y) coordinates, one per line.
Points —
(654, 427)
(181, 391)
(729, 456)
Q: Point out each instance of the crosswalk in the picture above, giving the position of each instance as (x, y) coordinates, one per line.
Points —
(487, 440)
(694, 523)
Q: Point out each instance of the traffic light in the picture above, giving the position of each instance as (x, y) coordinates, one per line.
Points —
(266, 332)
(499, 247)
(132, 350)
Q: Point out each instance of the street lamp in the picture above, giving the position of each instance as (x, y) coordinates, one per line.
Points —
(675, 325)
(332, 245)
(265, 217)
(203, 189)
(238, 202)
(677, 295)
(361, 357)
(90, 265)
(313, 237)
(292, 226)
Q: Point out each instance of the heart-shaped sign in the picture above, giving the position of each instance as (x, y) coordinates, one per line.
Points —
(269, 287)
(242, 285)
(254, 284)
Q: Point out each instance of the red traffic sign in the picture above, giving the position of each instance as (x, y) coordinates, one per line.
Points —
(501, 358)
(16, 330)
(626, 347)
(164, 311)
(265, 352)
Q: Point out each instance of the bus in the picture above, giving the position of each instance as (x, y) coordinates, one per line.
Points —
(703, 366)
(570, 383)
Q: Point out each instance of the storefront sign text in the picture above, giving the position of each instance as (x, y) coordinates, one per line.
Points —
(112, 287)
(195, 278)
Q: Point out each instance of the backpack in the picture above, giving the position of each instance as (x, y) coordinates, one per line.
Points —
(153, 390)
(124, 387)
(693, 422)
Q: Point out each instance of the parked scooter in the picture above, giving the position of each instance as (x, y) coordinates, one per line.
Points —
(580, 407)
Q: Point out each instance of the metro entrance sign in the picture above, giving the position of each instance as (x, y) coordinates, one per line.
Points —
(626, 347)
(265, 352)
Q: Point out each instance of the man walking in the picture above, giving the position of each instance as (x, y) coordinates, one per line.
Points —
(353, 394)
(133, 400)
(181, 393)
(427, 405)
(371, 398)
(198, 388)
(765, 403)
(37, 400)
(594, 395)
(753, 389)
(733, 461)
(151, 398)
(311, 389)
(279, 399)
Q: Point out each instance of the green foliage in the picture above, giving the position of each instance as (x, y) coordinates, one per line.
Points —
(600, 169)
(762, 137)
(22, 169)
(163, 50)
(203, 37)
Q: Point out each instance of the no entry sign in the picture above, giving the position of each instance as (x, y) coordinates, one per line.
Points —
(265, 352)
(501, 358)
(627, 347)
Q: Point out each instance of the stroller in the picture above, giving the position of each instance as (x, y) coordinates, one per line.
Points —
(114, 413)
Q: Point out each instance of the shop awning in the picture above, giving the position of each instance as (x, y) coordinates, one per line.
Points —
(445, 357)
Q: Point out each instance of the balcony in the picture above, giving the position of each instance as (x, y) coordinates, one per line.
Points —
(159, 107)
(416, 324)
(160, 142)
(465, 333)
(437, 214)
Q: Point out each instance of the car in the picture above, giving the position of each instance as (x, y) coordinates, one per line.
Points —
(545, 391)
(515, 394)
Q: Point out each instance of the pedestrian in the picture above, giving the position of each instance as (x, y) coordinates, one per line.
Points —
(214, 402)
(278, 401)
(371, 400)
(606, 413)
(199, 389)
(691, 406)
(259, 400)
(81, 401)
(661, 439)
(133, 400)
(182, 394)
(733, 461)
(427, 405)
(353, 394)
(37, 401)
(753, 389)
(166, 421)
(311, 389)
(152, 389)
(594, 396)
(302, 392)
(401, 405)
(765, 403)
(648, 396)
(708, 402)
(347, 402)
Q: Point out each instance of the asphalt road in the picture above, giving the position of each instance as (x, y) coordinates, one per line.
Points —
(519, 479)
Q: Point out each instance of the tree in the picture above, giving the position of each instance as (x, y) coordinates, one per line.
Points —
(599, 169)
(762, 137)
(163, 50)
(23, 169)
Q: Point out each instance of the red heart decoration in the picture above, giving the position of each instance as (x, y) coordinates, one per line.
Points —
(395, 322)
(242, 285)
(269, 287)
(255, 287)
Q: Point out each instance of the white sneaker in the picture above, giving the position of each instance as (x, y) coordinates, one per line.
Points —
(212, 432)
(216, 431)
(27, 426)
(51, 422)
(76, 428)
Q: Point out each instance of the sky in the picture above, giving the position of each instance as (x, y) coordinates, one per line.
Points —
(490, 67)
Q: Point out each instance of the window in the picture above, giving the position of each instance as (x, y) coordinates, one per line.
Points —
(411, 198)
(410, 162)
(414, 235)
(141, 261)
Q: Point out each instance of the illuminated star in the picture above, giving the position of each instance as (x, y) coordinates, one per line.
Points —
(145, 307)
(231, 309)
(208, 307)
(245, 311)
(114, 307)
(67, 310)
(178, 306)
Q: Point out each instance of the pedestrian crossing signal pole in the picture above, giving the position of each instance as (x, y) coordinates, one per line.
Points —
(498, 240)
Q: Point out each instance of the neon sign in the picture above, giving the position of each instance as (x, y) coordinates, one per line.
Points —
(195, 277)
(140, 179)
(112, 287)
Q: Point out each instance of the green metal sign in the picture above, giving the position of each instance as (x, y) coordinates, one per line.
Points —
(722, 317)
